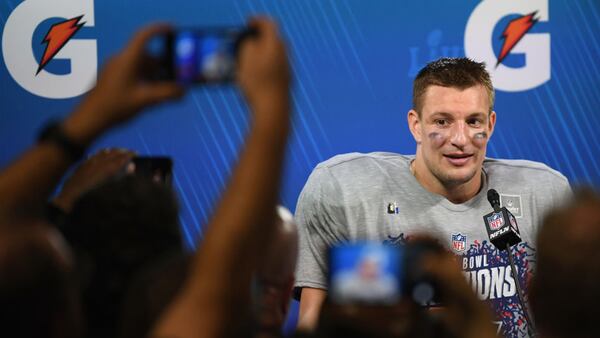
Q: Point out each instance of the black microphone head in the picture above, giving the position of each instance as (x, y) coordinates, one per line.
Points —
(494, 198)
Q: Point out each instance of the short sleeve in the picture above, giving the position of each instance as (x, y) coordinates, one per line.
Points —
(562, 191)
(553, 192)
(321, 219)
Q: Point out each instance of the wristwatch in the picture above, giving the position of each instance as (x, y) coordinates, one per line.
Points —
(53, 132)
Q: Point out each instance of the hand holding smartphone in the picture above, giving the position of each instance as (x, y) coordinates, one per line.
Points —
(377, 274)
(156, 168)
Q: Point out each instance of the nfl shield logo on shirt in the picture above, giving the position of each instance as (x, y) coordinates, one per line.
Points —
(459, 242)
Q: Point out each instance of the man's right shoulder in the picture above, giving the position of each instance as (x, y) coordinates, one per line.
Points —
(354, 174)
(362, 160)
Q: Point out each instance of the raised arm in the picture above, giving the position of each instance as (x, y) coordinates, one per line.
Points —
(215, 299)
(118, 96)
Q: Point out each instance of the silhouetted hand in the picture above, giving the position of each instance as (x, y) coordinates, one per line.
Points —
(263, 72)
(105, 164)
(464, 314)
(121, 91)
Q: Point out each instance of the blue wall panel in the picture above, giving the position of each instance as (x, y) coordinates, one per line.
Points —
(353, 63)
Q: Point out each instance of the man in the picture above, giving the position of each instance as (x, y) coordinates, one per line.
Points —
(214, 301)
(119, 95)
(118, 229)
(464, 315)
(441, 190)
(275, 276)
(564, 291)
(39, 300)
(38, 296)
(154, 288)
(215, 298)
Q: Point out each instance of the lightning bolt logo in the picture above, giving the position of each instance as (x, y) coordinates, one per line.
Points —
(57, 37)
(514, 32)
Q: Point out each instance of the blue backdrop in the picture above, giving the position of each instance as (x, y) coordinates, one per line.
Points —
(353, 64)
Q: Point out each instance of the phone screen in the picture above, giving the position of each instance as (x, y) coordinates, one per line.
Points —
(367, 273)
(196, 55)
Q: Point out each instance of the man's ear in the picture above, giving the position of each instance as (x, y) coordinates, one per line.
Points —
(414, 124)
(491, 123)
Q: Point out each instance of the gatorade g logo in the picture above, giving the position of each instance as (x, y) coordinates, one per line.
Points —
(516, 39)
(29, 73)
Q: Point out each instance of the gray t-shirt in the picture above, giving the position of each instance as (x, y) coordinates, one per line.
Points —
(375, 197)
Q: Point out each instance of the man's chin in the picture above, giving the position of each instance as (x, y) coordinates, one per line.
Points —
(455, 177)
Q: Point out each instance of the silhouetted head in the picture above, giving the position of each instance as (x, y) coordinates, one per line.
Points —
(276, 273)
(565, 289)
(116, 229)
(38, 297)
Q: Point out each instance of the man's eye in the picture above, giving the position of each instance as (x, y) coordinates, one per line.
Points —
(475, 123)
(441, 123)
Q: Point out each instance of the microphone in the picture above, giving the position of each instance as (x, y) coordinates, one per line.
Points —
(494, 199)
(503, 231)
(500, 224)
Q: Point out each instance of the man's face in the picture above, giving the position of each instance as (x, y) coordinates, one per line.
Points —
(452, 132)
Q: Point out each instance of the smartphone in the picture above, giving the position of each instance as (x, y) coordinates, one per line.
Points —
(158, 169)
(196, 55)
(365, 273)
(373, 273)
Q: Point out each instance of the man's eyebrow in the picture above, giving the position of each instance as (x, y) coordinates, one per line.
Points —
(478, 114)
(442, 114)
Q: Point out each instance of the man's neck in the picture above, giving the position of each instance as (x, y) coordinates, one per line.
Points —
(455, 193)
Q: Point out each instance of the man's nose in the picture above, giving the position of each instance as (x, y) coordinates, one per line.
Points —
(459, 134)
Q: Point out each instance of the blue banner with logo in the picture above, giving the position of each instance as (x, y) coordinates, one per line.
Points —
(353, 64)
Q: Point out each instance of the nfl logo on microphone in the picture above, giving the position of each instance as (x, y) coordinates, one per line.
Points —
(459, 242)
(496, 221)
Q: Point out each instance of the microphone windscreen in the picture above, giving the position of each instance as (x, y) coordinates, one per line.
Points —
(493, 197)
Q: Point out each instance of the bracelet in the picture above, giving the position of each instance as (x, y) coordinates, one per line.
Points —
(55, 134)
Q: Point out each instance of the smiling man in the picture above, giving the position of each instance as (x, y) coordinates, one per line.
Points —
(441, 191)
(451, 122)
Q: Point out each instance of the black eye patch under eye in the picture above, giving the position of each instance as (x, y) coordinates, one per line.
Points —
(481, 135)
